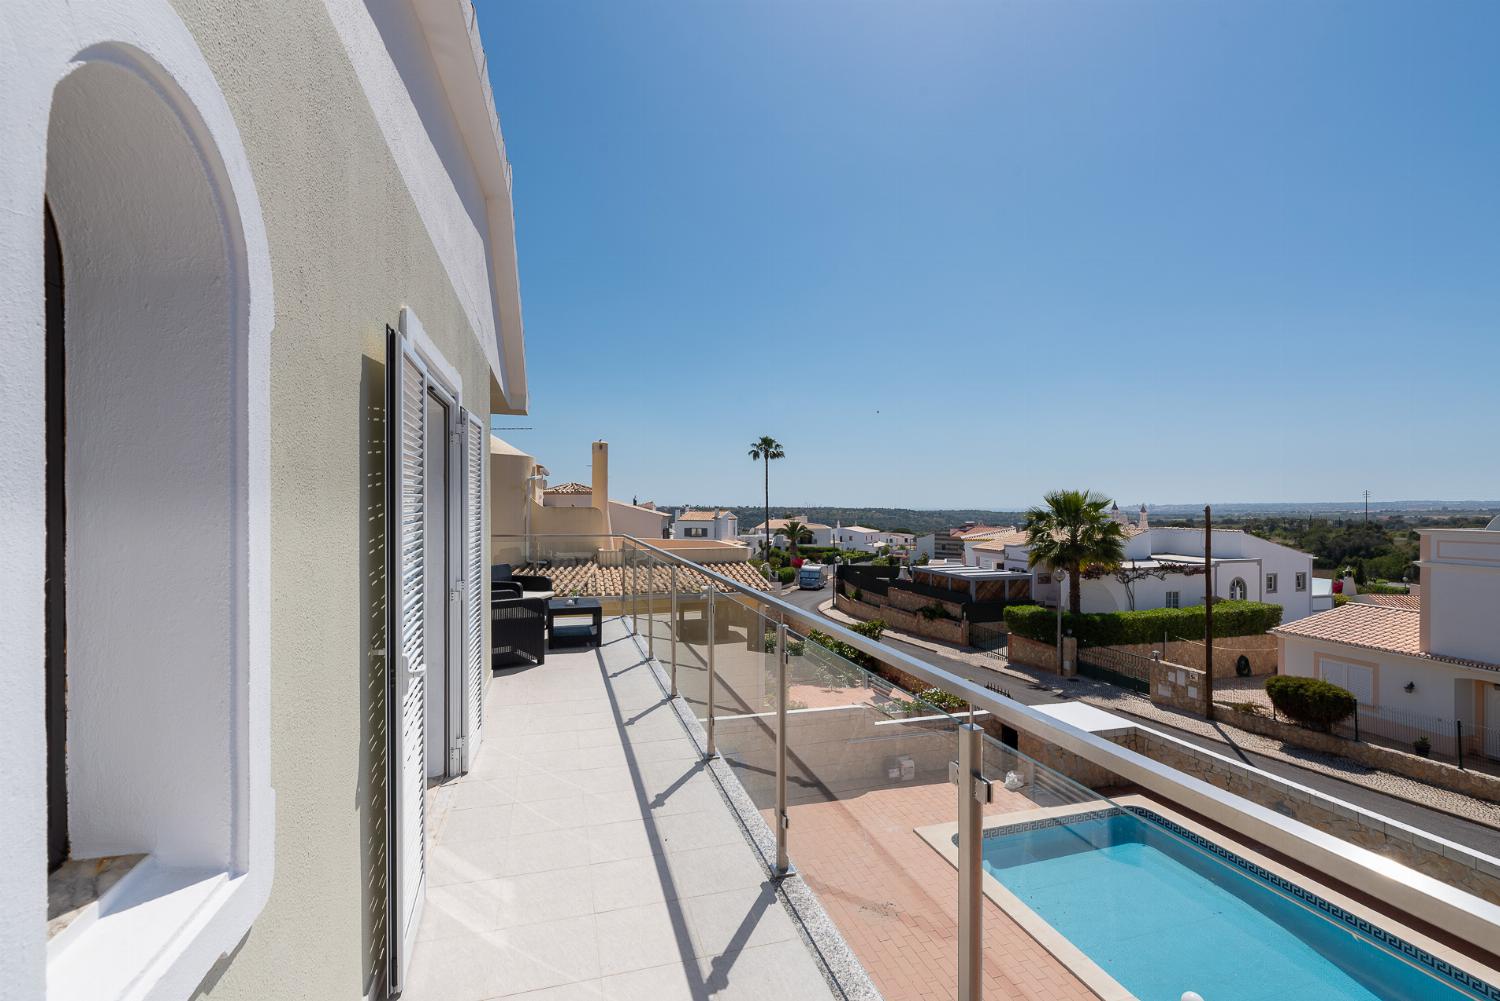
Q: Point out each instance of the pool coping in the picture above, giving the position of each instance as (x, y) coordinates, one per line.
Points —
(1472, 975)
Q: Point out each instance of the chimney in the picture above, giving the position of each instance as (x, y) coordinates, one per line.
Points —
(1143, 523)
(600, 486)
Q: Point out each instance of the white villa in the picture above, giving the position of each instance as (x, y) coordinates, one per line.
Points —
(720, 525)
(822, 535)
(644, 520)
(1163, 568)
(1437, 656)
(869, 540)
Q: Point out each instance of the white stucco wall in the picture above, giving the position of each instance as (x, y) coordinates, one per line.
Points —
(1461, 592)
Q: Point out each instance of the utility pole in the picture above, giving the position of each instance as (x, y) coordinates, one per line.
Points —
(1367, 507)
(1208, 612)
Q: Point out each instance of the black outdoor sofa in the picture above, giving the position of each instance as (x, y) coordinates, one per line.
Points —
(518, 617)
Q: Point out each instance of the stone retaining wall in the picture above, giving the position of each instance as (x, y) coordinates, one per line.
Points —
(1177, 686)
(1438, 773)
(903, 621)
(1468, 871)
(1029, 653)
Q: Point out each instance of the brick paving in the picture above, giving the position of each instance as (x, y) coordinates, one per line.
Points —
(894, 898)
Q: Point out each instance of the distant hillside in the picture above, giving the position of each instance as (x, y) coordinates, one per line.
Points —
(886, 519)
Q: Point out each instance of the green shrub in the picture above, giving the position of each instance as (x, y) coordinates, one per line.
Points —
(786, 574)
(1341, 599)
(1148, 625)
(873, 629)
(1310, 701)
(1422, 746)
(794, 648)
(943, 700)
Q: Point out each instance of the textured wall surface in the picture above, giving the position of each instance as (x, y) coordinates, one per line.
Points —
(348, 251)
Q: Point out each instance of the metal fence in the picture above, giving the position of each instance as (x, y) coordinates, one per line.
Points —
(1128, 670)
(1466, 744)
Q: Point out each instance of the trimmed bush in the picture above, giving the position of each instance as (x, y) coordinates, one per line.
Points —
(1310, 701)
(786, 574)
(1147, 625)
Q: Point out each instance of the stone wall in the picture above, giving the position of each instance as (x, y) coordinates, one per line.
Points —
(1469, 872)
(1177, 687)
(1437, 773)
(1260, 650)
(1029, 653)
(911, 601)
(903, 621)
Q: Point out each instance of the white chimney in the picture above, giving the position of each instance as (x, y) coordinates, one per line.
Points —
(600, 487)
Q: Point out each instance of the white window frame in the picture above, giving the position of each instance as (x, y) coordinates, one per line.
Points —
(1271, 582)
(1174, 599)
(694, 532)
(1300, 580)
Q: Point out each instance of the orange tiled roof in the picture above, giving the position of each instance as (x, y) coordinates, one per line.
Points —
(701, 515)
(570, 488)
(997, 542)
(1376, 627)
(590, 580)
(1411, 602)
(1373, 627)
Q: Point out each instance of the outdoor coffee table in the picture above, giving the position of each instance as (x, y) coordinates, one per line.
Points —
(571, 608)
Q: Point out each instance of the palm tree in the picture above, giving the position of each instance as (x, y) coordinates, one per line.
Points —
(1074, 533)
(764, 450)
(796, 533)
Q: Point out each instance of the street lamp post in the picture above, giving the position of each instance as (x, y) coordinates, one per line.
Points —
(1059, 576)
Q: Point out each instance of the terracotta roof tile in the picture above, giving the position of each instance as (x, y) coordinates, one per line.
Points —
(570, 488)
(1374, 626)
(590, 580)
(701, 515)
(1412, 602)
(997, 542)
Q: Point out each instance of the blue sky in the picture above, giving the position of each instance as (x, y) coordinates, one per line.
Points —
(957, 254)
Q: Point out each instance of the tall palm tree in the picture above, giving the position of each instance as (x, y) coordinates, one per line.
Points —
(796, 533)
(1074, 532)
(764, 450)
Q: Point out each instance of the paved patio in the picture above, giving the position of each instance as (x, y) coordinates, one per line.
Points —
(590, 855)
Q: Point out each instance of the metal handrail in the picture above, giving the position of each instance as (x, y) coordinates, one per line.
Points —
(1340, 859)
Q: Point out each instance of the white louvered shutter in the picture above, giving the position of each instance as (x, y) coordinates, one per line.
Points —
(406, 644)
(476, 662)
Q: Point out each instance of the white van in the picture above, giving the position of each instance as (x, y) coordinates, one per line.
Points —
(810, 577)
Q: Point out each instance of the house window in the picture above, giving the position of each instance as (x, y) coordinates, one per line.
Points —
(1238, 591)
(1174, 599)
(695, 533)
(1301, 582)
(1270, 583)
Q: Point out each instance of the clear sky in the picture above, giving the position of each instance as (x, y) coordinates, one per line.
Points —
(957, 254)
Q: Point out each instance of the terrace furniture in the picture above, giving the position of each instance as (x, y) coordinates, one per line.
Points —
(576, 607)
(518, 585)
(518, 631)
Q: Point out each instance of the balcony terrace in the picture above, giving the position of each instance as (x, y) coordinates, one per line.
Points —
(717, 801)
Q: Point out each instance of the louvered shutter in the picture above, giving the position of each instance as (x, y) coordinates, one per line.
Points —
(406, 692)
(475, 607)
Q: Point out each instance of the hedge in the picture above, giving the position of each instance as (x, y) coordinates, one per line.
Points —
(1148, 625)
(1310, 701)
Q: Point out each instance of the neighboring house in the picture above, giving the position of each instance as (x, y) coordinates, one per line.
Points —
(1163, 568)
(1440, 659)
(822, 535)
(260, 295)
(986, 550)
(949, 544)
(719, 525)
(643, 521)
(870, 540)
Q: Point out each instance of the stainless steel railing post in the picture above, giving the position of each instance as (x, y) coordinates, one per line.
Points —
(651, 610)
(672, 629)
(973, 793)
(711, 593)
(783, 864)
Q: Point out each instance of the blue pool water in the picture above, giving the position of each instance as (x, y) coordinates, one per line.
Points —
(1162, 917)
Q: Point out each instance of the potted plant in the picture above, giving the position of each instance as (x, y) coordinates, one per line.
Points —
(1422, 746)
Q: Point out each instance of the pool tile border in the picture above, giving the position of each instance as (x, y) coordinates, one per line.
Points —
(1439, 967)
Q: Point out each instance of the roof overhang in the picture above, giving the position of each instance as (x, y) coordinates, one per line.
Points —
(451, 28)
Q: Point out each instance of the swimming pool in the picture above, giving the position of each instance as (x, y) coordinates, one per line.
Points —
(1161, 915)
